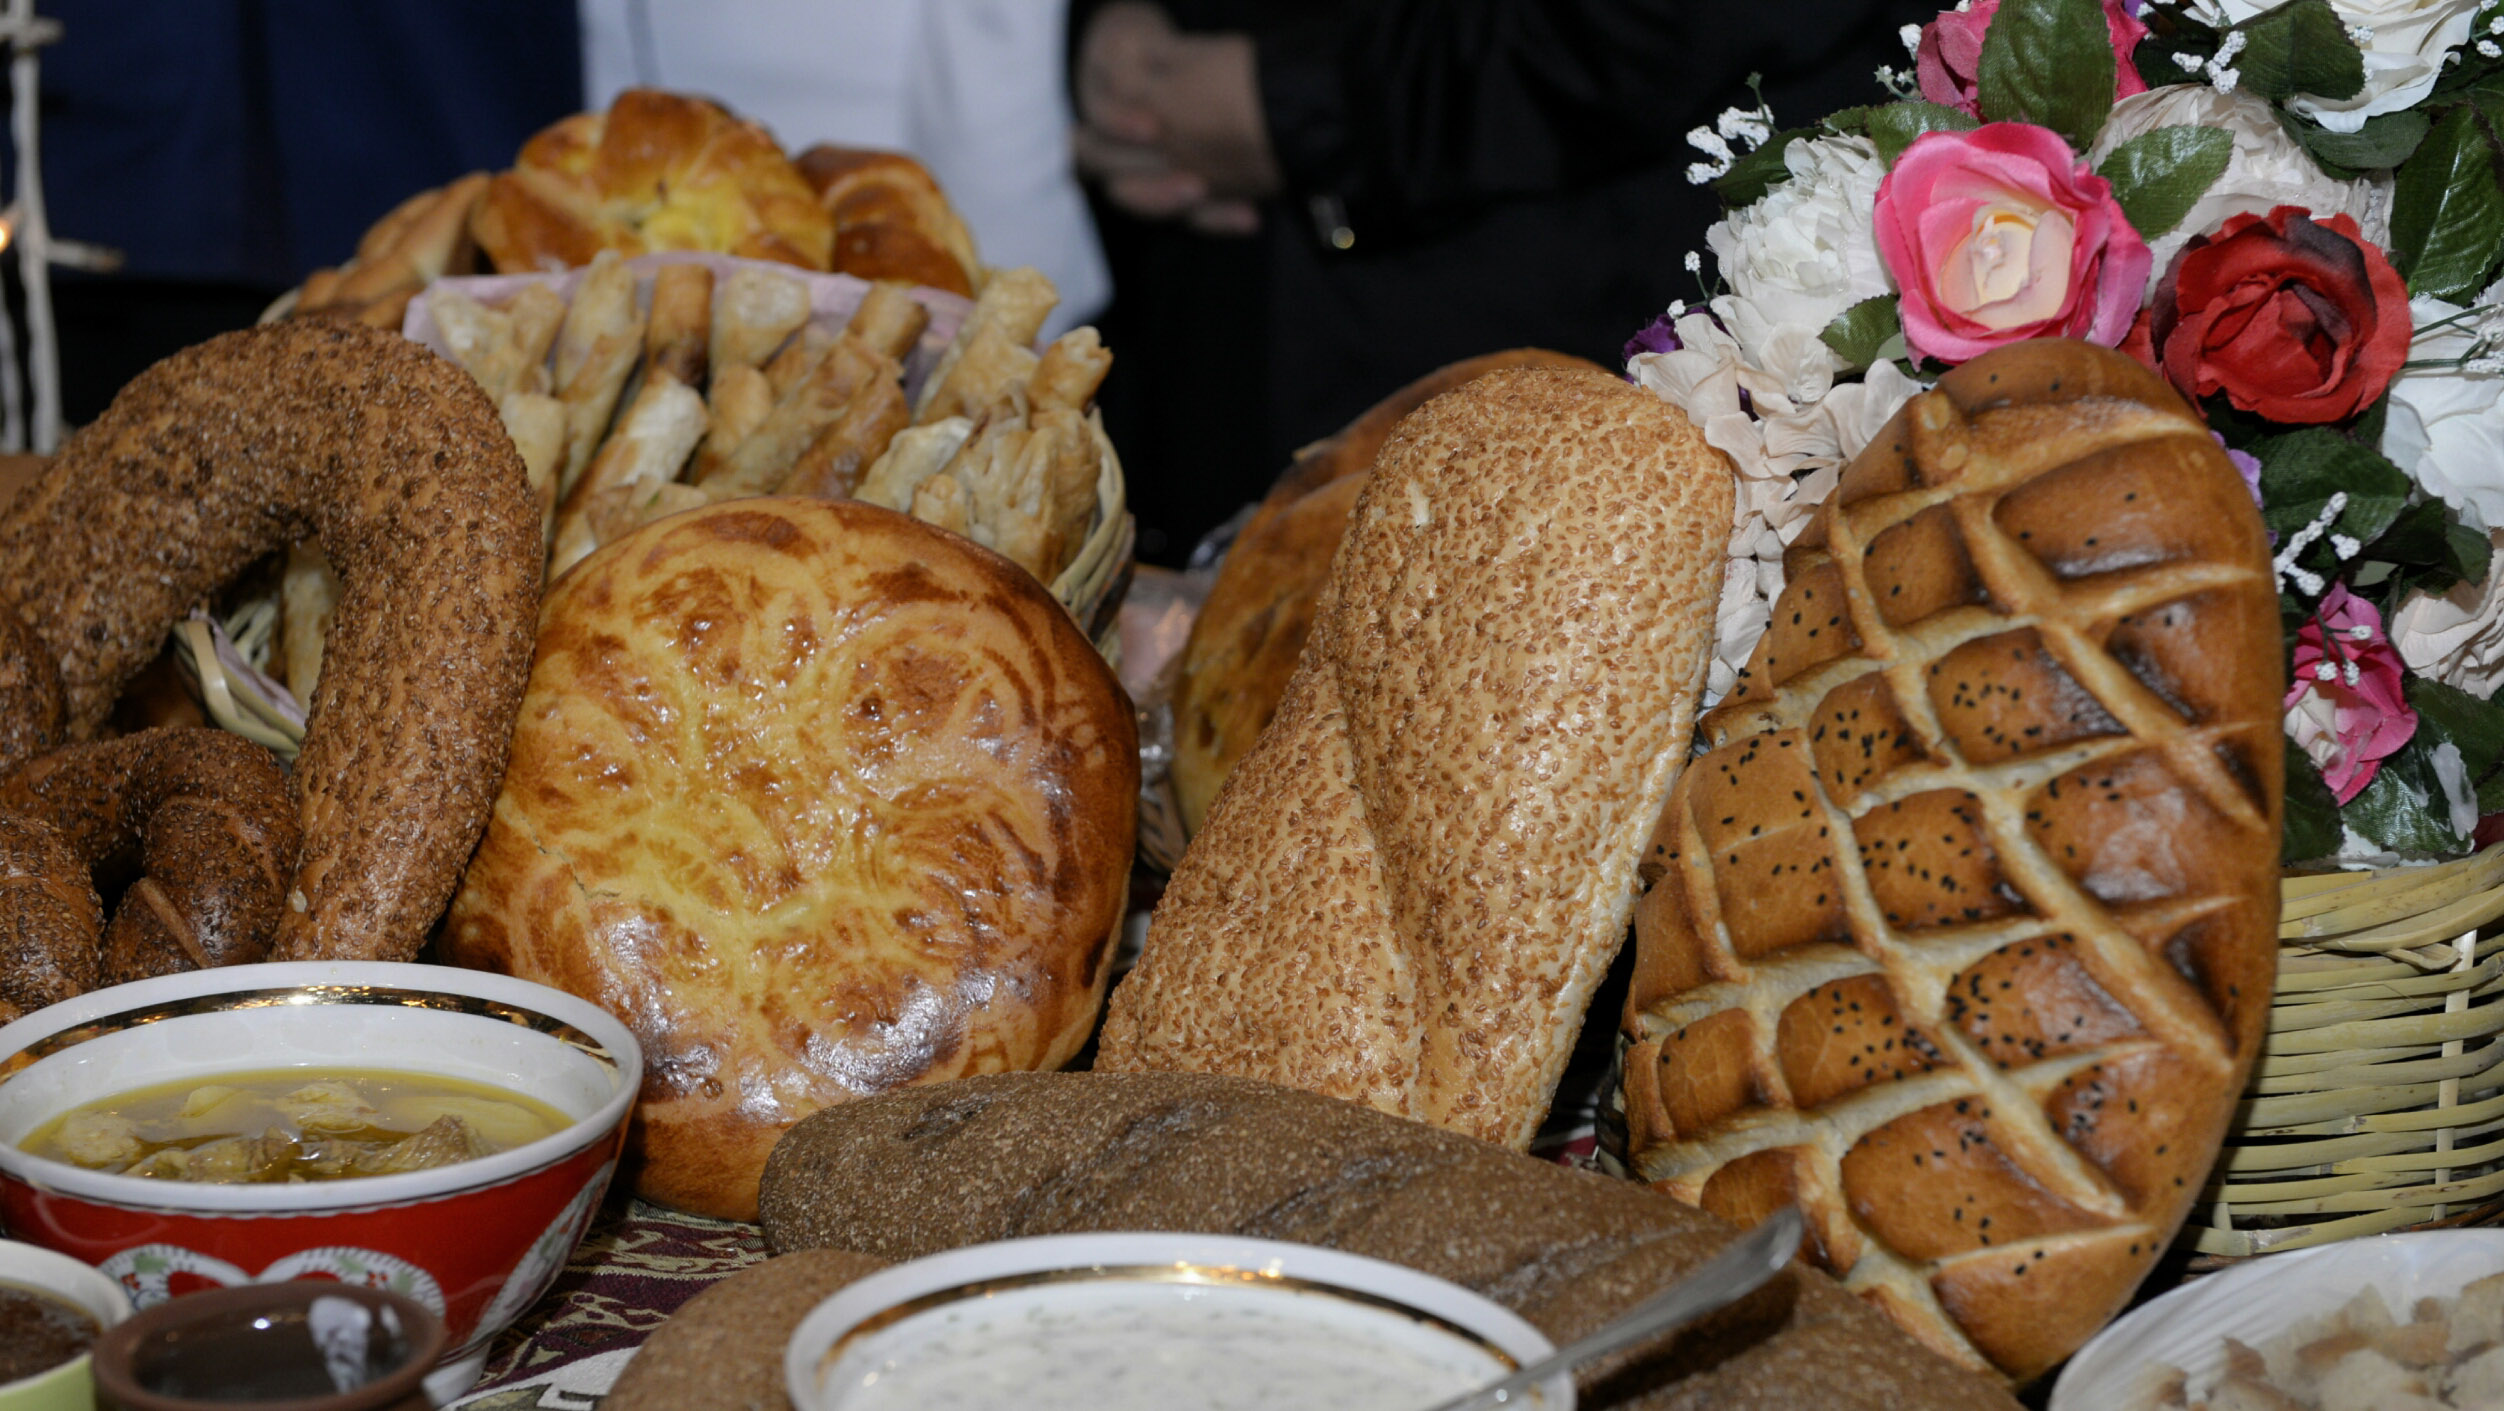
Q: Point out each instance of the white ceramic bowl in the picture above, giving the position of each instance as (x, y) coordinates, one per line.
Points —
(477, 1242)
(70, 1386)
(2260, 1298)
(1072, 1273)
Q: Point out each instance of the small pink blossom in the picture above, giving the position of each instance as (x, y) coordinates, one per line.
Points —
(2346, 710)
(1950, 54)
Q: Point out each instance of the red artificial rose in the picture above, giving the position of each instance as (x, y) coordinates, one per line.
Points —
(2294, 319)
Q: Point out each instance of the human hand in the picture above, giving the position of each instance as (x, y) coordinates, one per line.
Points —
(1171, 123)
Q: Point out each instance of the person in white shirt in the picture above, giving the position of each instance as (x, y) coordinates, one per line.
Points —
(972, 88)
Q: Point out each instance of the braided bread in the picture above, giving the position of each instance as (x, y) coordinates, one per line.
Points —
(1961, 936)
(657, 171)
(891, 219)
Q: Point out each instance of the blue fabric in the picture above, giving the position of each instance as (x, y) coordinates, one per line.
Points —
(253, 140)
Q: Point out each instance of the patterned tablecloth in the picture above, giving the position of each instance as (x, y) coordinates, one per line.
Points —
(639, 1263)
(632, 1271)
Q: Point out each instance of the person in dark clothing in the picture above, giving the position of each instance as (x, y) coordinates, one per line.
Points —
(1310, 202)
(228, 147)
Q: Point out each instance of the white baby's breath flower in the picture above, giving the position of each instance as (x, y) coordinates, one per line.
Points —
(1801, 256)
(2406, 44)
(2266, 168)
(2446, 426)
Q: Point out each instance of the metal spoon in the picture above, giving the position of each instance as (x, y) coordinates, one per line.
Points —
(1728, 1277)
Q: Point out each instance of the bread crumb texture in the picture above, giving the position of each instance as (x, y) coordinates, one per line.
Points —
(1962, 933)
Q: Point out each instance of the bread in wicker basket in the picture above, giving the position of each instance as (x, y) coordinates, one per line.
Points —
(1961, 933)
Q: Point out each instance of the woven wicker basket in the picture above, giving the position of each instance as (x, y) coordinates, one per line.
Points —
(221, 659)
(2378, 1101)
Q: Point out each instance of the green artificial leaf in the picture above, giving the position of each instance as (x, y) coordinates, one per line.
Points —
(2159, 176)
(2404, 809)
(2472, 553)
(2312, 811)
(2414, 552)
(2475, 727)
(2049, 62)
(2486, 92)
(2385, 141)
(1859, 335)
(1851, 122)
(2366, 430)
(2447, 210)
(2299, 47)
(1758, 172)
(1894, 126)
(2301, 470)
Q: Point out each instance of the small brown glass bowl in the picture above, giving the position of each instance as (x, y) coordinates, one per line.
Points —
(306, 1345)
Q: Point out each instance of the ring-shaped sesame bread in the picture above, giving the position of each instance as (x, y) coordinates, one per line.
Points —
(398, 463)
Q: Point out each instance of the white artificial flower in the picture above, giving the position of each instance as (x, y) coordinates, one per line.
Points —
(2406, 44)
(2446, 426)
(1788, 453)
(1800, 256)
(2456, 638)
(2266, 167)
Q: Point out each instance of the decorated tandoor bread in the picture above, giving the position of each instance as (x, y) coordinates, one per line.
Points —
(1961, 934)
(1407, 892)
(820, 800)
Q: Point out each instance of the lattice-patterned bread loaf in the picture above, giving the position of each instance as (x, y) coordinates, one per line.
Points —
(1407, 892)
(1962, 934)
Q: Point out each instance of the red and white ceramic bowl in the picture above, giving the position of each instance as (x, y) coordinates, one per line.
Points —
(476, 1242)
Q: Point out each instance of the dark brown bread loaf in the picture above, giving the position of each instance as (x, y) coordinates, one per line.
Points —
(724, 1350)
(921, 1170)
(1961, 936)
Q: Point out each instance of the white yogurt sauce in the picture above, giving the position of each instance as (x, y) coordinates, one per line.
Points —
(1141, 1346)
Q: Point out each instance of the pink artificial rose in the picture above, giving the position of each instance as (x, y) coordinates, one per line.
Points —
(2001, 234)
(2355, 717)
(1950, 54)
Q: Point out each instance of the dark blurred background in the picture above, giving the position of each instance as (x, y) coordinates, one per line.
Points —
(1339, 195)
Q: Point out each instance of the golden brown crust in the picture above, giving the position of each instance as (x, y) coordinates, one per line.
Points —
(820, 800)
(929, 1169)
(723, 1351)
(216, 835)
(395, 459)
(891, 219)
(1247, 636)
(1963, 930)
(1408, 890)
(1245, 641)
(656, 171)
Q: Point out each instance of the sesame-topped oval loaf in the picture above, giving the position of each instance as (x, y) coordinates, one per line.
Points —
(1961, 932)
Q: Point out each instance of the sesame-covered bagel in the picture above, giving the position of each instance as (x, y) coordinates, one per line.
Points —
(1961, 935)
(216, 836)
(398, 462)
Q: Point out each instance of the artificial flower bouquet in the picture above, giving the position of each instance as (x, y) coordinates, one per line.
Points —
(2295, 214)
